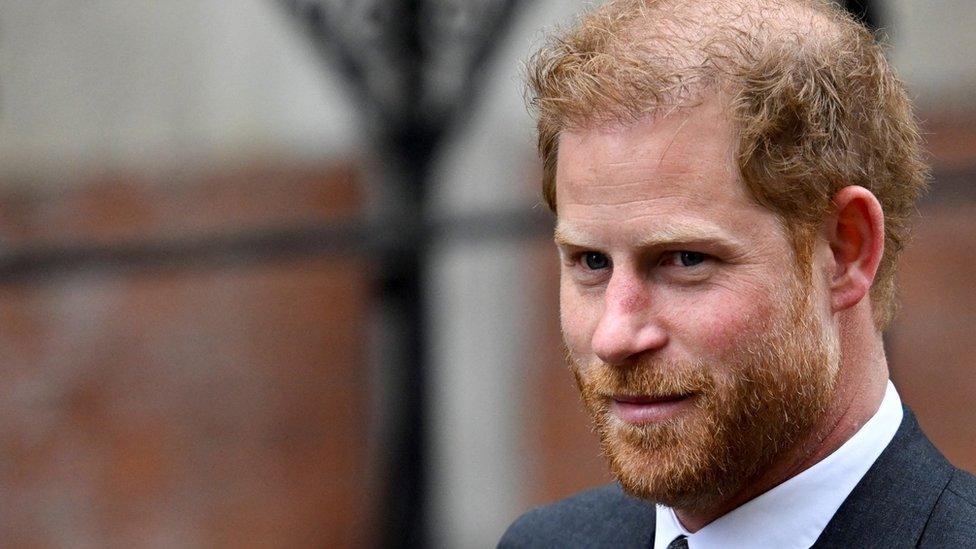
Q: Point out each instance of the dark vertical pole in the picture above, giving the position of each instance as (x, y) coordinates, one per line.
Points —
(404, 509)
(407, 139)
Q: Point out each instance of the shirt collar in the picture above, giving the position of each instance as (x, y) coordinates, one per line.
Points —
(795, 513)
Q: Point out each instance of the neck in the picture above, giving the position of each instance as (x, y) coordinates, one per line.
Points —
(860, 387)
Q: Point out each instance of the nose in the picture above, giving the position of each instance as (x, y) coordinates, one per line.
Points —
(628, 327)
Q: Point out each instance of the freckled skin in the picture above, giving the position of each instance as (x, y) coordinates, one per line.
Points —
(618, 186)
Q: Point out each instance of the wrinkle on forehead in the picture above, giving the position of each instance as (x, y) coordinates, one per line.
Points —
(648, 178)
(654, 158)
(664, 232)
(639, 190)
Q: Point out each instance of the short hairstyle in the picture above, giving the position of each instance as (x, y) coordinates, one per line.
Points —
(813, 102)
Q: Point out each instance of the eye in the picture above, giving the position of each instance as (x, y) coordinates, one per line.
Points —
(595, 261)
(683, 258)
(690, 259)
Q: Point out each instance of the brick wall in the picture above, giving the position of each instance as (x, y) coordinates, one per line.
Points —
(190, 400)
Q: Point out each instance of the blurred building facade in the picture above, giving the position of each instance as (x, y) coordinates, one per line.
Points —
(190, 357)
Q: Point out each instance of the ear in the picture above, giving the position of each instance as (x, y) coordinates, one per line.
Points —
(856, 236)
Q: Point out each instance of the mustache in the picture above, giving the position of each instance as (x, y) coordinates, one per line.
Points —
(654, 377)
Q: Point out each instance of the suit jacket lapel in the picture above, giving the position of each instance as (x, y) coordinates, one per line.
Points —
(890, 506)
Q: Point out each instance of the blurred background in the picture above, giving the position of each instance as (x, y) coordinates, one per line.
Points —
(275, 272)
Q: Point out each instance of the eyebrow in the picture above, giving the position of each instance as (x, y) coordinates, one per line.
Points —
(664, 235)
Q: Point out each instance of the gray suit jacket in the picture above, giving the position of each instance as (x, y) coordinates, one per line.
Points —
(910, 497)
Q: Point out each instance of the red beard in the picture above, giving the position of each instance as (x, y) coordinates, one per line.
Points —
(748, 408)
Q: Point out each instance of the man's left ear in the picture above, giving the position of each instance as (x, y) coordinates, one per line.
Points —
(856, 235)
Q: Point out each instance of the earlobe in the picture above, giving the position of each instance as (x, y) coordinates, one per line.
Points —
(856, 239)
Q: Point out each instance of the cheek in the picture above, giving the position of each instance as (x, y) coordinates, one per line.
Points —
(724, 324)
(576, 320)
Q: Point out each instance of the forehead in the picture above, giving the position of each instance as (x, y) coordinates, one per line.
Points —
(673, 170)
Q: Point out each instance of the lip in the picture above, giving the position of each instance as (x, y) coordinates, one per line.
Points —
(641, 410)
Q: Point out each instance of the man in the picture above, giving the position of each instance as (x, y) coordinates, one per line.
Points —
(732, 180)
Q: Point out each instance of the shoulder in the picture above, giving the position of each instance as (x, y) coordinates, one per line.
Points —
(963, 485)
(910, 496)
(953, 519)
(601, 517)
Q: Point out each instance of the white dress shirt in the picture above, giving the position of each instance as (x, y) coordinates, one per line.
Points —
(795, 513)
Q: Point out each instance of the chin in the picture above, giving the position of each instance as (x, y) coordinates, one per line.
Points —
(667, 464)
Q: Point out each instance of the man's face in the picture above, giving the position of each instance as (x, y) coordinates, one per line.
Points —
(701, 349)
